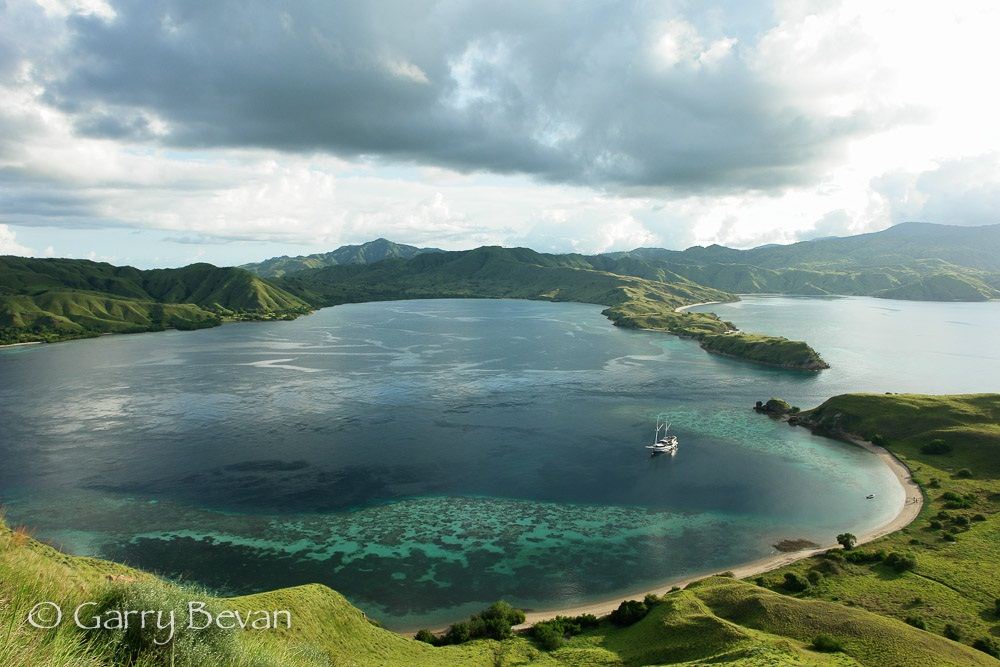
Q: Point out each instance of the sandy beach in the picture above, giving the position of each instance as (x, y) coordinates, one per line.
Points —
(681, 309)
(907, 513)
(34, 342)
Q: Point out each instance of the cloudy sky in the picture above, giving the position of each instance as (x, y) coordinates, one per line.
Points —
(162, 132)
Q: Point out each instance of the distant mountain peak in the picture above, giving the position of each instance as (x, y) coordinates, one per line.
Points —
(368, 252)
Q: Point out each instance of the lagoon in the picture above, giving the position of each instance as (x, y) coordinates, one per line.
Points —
(428, 457)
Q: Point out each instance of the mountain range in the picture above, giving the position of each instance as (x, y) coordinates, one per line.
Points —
(53, 299)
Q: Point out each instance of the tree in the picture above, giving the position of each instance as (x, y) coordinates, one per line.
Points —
(628, 612)
(936, 447)
(426, 636)
(847, 540)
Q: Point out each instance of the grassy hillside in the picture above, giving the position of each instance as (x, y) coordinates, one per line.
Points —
(955, 582)
(55, 299)
(520, 273)
(718, 620)
(366, 253)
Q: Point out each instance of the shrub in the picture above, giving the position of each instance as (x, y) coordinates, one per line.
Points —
(866, 556)
(952, 632)
(901, 562)
(948, 537)
(628, 612)
(979, 517)
(963, 473)
(879, 440)
(794, 583)
(551, 634)
(961, 521)
(814, 577)
(847, 540)
(996, 606)
(935, 483)
(494, 622)
(987, 645)
(826, 644)
(916, 621)
(936, 447)
(548, 636)
(935, 524)
(651, 600)
(426, 636)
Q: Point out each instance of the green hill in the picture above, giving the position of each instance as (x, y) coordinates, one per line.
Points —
(54, 299)
(366, 253)
(952, 446)
(917, 261)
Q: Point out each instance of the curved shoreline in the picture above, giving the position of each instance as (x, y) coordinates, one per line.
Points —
(910, 510)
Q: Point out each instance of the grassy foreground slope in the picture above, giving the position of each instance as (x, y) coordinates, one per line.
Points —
(56, 299)
(954, 584)
(520, 273)
(718, 620)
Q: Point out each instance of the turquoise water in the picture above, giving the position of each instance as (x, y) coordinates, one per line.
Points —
(428, 457)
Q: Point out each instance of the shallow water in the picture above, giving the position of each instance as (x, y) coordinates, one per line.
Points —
(428, 457)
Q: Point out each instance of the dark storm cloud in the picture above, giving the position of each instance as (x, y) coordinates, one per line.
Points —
(564, 91)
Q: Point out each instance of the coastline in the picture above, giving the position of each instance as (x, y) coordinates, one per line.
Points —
(30, 342)
(908, 512)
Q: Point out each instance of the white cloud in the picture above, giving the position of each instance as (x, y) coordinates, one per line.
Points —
(9, 244)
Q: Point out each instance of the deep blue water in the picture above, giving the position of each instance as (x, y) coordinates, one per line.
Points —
(428, 457)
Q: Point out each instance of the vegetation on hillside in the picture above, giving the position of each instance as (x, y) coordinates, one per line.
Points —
(57, 299)
(941, 573)
(916, 261)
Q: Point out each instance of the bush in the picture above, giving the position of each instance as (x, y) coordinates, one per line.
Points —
(979, 517)
(935, 524)
(963, 473)
(916, 621)
(987, 645)
(826, 644)
(866, 556)
(137, 644)
(551, 634)
(847, 540)
(548, 636)
(936, 447)
(494, 622)
(794, 583)
(426, 636)
(952, 632)
(879, 440)
(814, 577)
(948, 537)
(628, 612)
(901, 562)
(651, 600)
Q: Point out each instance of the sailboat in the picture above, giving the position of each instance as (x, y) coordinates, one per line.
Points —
(665, 443)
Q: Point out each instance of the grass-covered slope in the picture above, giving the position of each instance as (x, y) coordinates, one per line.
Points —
(54, 299)
(519, 273)
(719, 620)
(954, 585)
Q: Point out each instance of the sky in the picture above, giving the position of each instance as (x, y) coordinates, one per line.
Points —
(166, 132)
